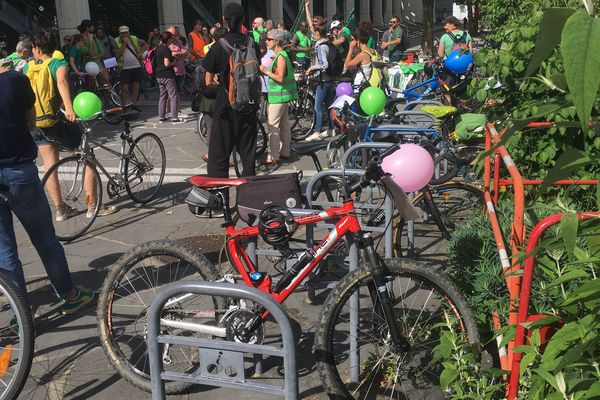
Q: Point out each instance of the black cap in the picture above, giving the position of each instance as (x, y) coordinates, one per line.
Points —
(451, 19)
(233, 11)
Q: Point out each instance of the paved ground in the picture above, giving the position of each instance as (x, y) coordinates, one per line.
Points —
(69, 362)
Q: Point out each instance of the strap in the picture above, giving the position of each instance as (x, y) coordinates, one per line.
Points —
(226, 46)
(133, 52)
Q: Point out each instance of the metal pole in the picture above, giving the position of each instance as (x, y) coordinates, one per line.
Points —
(354, 308)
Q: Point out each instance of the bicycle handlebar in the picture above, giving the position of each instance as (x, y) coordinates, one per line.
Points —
(373, 172)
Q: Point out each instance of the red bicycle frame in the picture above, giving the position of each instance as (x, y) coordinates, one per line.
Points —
(348, 223)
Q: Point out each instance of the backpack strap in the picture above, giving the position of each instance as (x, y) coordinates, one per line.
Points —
(226, 46)
(462, 39)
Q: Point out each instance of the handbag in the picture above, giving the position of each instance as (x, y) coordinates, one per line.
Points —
(263, 191)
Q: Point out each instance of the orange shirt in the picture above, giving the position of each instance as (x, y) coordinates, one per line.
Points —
(197, 45)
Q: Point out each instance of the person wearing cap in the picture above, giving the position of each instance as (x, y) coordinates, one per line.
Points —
(231, 130)
(452, 35)
(341, 36)
(21, 55)
(129, 54)
(281, 90)
(394, 44)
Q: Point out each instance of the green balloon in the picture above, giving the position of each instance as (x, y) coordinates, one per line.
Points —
(372, 100)
(86, 104)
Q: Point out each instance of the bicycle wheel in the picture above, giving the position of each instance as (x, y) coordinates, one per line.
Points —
(16, 339)
(261, 139)
(202, 127)
(455, 203)
(303, 113)
(145, 168)
(126, 296)
(424, 303)
(74, 184)
(115, 95)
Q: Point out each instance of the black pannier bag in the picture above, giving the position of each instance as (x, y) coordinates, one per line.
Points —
(266, 190)
(204, 203)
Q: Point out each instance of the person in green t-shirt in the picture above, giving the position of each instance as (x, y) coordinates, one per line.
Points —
(92, 51)
(74, 56)
(301, 45)
(394, 45)
(453, 38)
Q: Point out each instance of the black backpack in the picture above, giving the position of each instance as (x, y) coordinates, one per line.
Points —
(459, 43)
(334, 60)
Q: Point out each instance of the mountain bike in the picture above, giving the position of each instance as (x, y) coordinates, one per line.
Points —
(397, 308)
(17, 337)
(75, 180)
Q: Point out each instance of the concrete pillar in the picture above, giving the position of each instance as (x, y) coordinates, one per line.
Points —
(365, 8)
(330, 9)
(69, 14)
(275, 10)
(377, 12)
(170, 12)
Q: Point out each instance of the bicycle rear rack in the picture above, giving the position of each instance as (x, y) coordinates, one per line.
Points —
(221, 361)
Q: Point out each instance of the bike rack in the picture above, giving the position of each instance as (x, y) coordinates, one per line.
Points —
(215, 353)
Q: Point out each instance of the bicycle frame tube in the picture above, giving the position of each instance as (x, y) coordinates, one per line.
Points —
(348, 223)
(433, 85)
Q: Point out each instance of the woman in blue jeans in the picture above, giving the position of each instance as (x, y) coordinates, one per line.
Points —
(21, 194)
(324, 94)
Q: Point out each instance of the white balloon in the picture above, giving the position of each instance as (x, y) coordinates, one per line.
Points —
(92, 68)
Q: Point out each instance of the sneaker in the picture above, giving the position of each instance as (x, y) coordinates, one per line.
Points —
(64, 212)
(314, 136)
(104, 211)
(83, 298)
(176, 121)
(163, 120)
(182, 116)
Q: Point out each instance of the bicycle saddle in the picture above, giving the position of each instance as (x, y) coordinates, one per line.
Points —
(308, 148)
(211, 183)
(439, 111)
(385, 136)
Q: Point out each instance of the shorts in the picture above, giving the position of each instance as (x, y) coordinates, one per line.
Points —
(133, 75)
(179, 81)
(63, 134)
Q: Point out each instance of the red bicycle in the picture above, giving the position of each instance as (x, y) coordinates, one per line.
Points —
(377, 330)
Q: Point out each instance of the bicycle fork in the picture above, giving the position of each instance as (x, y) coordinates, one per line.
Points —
(379, 292)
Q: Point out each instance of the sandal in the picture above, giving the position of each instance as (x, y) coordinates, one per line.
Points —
(270, 163)
(205, 158)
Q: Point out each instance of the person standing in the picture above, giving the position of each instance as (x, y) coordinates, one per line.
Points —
(129, 54)
(165, 76)
(92, 52)
(21, 193)
(324, 94)
(154, 38)
(301, 45)
(178, 51)
(49, 80)
(258, 30)
(230, 129)
(74, 56)
(394, 44)
(196, 42)
(21, 55)
(281, 90)
(68, 43)
(363, 61)
(454, 37)
(107, 42)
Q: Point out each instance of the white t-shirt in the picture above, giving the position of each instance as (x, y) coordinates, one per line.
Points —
(129, 60)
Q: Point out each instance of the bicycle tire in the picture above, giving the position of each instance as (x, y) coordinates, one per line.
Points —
(450, 169)
(420, 327)
(198, 267)
(303, 112)
(80, 222)
(17, 307)
(202, 128)
(140, 156)
(449, 206)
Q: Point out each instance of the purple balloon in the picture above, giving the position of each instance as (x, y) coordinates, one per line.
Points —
(343, 88)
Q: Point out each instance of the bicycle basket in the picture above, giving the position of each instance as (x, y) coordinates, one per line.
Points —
(203, 202)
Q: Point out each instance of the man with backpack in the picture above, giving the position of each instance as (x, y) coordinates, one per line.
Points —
(237, 95)
(454, 38)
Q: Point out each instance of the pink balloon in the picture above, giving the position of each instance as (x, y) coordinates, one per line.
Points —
(411, 167)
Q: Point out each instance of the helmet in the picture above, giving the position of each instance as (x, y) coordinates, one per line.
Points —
(458, 61)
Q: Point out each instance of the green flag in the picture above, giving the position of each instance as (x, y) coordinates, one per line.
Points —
(351, 20)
